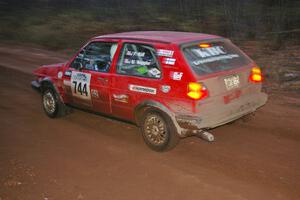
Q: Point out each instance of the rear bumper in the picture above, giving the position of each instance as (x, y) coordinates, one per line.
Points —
(219, 115)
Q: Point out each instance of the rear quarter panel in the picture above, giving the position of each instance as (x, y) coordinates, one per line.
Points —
(176, 76)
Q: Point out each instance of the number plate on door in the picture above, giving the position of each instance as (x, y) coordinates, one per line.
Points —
(80, 85)
(232, 82)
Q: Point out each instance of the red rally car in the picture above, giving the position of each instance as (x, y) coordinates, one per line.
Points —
(171, 84)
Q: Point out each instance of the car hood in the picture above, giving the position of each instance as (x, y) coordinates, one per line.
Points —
(49, 70)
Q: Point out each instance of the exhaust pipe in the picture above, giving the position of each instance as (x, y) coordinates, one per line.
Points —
(205, 136)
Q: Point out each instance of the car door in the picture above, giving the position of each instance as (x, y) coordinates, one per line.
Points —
(136, 78)
(88, 78)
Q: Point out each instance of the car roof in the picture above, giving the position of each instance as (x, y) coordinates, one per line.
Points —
(160, 36)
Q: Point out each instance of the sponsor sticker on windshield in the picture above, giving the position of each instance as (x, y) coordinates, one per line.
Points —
(217, 58)
(209, 51)
(211, 54)
(135, 53)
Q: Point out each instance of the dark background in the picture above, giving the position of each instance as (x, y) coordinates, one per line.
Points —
(69, 23)
(84, 156)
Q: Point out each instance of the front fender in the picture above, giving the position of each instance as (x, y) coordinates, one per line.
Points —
(48, 82)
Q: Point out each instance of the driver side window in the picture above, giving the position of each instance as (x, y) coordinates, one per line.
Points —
(138, 60)
(96, 56)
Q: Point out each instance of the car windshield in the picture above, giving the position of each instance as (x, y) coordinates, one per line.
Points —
(206, 58)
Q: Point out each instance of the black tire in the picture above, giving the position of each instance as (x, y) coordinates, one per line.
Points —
(57, 108)
(161, 135)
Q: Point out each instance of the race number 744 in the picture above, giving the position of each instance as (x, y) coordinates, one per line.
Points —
(80, 87)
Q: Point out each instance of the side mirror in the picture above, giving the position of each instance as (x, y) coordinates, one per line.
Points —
(77, 66)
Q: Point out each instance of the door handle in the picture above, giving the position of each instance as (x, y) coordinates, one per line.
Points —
(102, 79)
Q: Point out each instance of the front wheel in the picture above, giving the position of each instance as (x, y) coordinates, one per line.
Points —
(158, 131)
(52, 105)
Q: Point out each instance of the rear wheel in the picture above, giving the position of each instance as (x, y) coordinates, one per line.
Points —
(52, 105)
(158, 131)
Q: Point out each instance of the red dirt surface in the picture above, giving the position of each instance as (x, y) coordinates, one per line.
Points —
(87, 156)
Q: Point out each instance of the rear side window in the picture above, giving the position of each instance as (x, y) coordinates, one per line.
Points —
(138, 60)
(206, 58)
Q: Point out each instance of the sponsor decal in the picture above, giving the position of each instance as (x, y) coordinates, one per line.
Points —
(176, 75)
(142, 89)
(165, 52)
(121, 98)
(212, 54)
(169, 61)
(155, 72)
(213, 59)
(80, 85)
(136, 62)
(142, 70)
(208, 52)
(94, 93)
(59, 75)
(135, 53)
(165, 88)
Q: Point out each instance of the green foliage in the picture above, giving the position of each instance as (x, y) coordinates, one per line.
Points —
(69, 23)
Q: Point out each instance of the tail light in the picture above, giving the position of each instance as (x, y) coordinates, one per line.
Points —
(256, 75)
(197, 91)
(204, 45)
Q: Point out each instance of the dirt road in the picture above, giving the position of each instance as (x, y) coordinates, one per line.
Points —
(87, 156)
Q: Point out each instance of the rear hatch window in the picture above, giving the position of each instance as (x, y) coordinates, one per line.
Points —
(209, 57)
